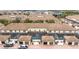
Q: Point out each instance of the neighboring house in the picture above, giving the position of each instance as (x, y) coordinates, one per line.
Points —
(38, 27)
(43, 17)
(71, 40)
(13, 14)
(72, 20)
(59, 39)
(48, 40)
(37, 32)
(24, 39)
(4, 39)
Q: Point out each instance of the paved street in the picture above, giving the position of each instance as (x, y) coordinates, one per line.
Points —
(43, 47)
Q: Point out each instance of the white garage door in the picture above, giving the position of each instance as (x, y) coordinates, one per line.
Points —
(35, 43)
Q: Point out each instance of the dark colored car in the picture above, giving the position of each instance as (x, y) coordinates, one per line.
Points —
(23, 47)
(8, 45)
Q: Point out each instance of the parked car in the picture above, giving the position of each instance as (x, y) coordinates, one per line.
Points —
(23, 47)
(8, 45)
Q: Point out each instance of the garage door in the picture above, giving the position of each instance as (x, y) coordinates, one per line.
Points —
(35, 43)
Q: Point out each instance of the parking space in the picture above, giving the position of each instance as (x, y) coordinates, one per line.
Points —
(53, 47)
(16, 46)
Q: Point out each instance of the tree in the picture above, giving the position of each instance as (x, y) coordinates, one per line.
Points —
(28, 13)
(69, 12)
(38, 21)
(28, 21)
(66, 13)
(4, 21)
(16, 21)
(50, 21)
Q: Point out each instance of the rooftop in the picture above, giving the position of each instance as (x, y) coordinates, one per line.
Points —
(47, 38)
(71, 38)
(1, 25)
(25, 38)
(41, 17)
(26, 26)
(73, 17)
(4, 37)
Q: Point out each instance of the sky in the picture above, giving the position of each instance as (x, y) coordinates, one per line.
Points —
(38, 4)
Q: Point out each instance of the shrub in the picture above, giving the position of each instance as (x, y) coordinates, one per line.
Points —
(28, 21)
(4, 21)
(50, 21)
(38, 21)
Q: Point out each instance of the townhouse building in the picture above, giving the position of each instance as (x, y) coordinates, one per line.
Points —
(40, 33)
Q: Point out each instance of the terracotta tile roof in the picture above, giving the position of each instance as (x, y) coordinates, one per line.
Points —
(26, 26)
(47, 38)
(13, 17)
(4, 37)
(61, 27)
(41, 17)
(25, 38)
(1, 25)
(4, 17)
(15, 26)
(71, 38)
(73, 17)
(31, 17)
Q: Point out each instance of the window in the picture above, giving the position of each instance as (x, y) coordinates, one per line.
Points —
(70, 43)
(3, 42)
(26, 42)
(45, 43)
(51, 43)
(21, 42)
(76, 43)
(56, 42)
(15, 41)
